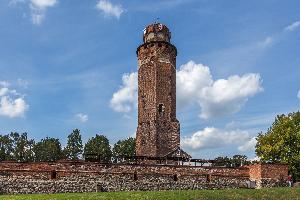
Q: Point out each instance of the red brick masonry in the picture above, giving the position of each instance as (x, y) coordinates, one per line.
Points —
(89, 177)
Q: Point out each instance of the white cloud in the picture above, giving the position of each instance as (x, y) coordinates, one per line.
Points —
(195, 85)
(212, 137)
(3, 91)
(191, 78)
(110, 9)
(249, 145)
(298, 95)
(126, 97)
(10, 105)
(42, 4)
(82, 117)
(38, 9)
(292, 26)
(227, 96)
(256, 158)
(216, 98)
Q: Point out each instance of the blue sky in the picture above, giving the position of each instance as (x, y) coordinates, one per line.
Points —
(69, 64)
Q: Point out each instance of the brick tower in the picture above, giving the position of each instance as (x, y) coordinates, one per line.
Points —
(158, 131)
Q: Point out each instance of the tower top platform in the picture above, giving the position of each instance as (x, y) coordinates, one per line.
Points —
(156, 32)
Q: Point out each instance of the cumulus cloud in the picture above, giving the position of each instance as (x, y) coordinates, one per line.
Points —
(110, 9)
(249, 145)
(195, 85)
(227, 96)
(191, 78)
(292, 26)
(211, 137)
(11, 104)
(82, 117)
(216, 98)
(126, 97)
(3, 91)
(12, 108)
(298, 95)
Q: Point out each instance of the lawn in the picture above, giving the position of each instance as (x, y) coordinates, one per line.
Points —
(274, 193)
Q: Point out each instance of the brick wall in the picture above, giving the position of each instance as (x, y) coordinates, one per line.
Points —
(158, 131)
(268, 175)
(92, 177)
(272, 171)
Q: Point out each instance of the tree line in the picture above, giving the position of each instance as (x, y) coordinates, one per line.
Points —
(20, 148)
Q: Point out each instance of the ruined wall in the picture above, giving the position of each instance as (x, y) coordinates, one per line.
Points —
(268, 175)
(92, 177)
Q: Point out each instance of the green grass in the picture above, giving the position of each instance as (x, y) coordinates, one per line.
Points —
(268, 194)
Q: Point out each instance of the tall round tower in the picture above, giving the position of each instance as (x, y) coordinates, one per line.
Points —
(158, 132)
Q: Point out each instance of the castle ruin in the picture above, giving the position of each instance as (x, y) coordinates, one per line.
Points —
(158, 137)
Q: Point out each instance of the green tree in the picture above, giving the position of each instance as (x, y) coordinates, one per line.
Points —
(281, 142)
(124, 148)
(99, 146)
(222, 162)
(47, 150)
(22, 147)
(239, 160)
(74, 146)
(6, 147)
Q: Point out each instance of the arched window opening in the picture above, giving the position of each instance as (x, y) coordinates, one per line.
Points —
(160, 108)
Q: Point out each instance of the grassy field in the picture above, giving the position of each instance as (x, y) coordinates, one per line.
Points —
(274, 193)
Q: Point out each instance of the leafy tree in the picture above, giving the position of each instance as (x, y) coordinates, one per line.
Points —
(222, 162)
(22, 147)
(6, 147)
(235, 161)
(281, 142)
(239, 160)
(124, 148)
(74, 146)
(98, 145)
(47, 150)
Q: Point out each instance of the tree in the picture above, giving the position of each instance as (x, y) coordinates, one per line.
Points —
(47, 150)
(239, 160)
(124, 148)
(222, 162)
(281, 142)
(74, 146)
(22, 147)
(6, 147)
(235, 161)
(99, 146)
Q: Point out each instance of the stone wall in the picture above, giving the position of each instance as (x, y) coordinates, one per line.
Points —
(91, 177)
